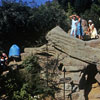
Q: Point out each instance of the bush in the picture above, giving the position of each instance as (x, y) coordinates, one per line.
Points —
(89, 14)
(34, 86)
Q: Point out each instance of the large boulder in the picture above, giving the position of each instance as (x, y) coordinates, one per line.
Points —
(73, 54)
(73, 47)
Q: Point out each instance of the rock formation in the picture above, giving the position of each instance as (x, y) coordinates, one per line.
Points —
(79, 58)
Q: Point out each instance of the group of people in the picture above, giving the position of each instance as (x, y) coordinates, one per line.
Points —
(77, 30)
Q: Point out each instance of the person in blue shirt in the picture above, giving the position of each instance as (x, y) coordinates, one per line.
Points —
(73, 26)
(79, 28)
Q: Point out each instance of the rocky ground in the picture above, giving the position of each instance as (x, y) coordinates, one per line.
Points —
(79, 59)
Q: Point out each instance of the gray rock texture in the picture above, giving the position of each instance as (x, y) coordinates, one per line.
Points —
(75, 55)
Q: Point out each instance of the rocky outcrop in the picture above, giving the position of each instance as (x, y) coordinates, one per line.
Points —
(73, 47)
(79, 58)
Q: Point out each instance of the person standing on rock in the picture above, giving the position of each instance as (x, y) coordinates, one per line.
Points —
(73, 26)
(79, 28)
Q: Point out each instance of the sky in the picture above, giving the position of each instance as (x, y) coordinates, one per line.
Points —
(38, 2)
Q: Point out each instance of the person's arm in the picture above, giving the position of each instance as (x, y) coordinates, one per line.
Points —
(72, 16)
(79, 19)
(88, 29)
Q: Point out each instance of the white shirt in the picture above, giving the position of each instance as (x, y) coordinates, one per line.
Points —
(74, 23)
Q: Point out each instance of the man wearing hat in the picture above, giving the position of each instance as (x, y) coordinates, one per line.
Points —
(90, 27)
(92, 30)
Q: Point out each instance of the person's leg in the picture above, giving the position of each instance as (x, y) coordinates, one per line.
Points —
(82, 33)
(79, 37)
(75, 31)
(78, 32)
(71, 32)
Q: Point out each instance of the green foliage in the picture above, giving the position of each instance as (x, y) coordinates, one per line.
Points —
(87, 9)
(33, 85)
(82, 5)
(22, 94)
(70, 10)
(26, 83)
(31, 64)
(79, 5)
(19, 22)
(63, 3)
(93, 14)
(47, 17)
(10, 83)
(13, 21)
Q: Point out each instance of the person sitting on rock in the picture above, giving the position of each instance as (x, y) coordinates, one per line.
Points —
(73, 26)
(93, 32)
(90, 24)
